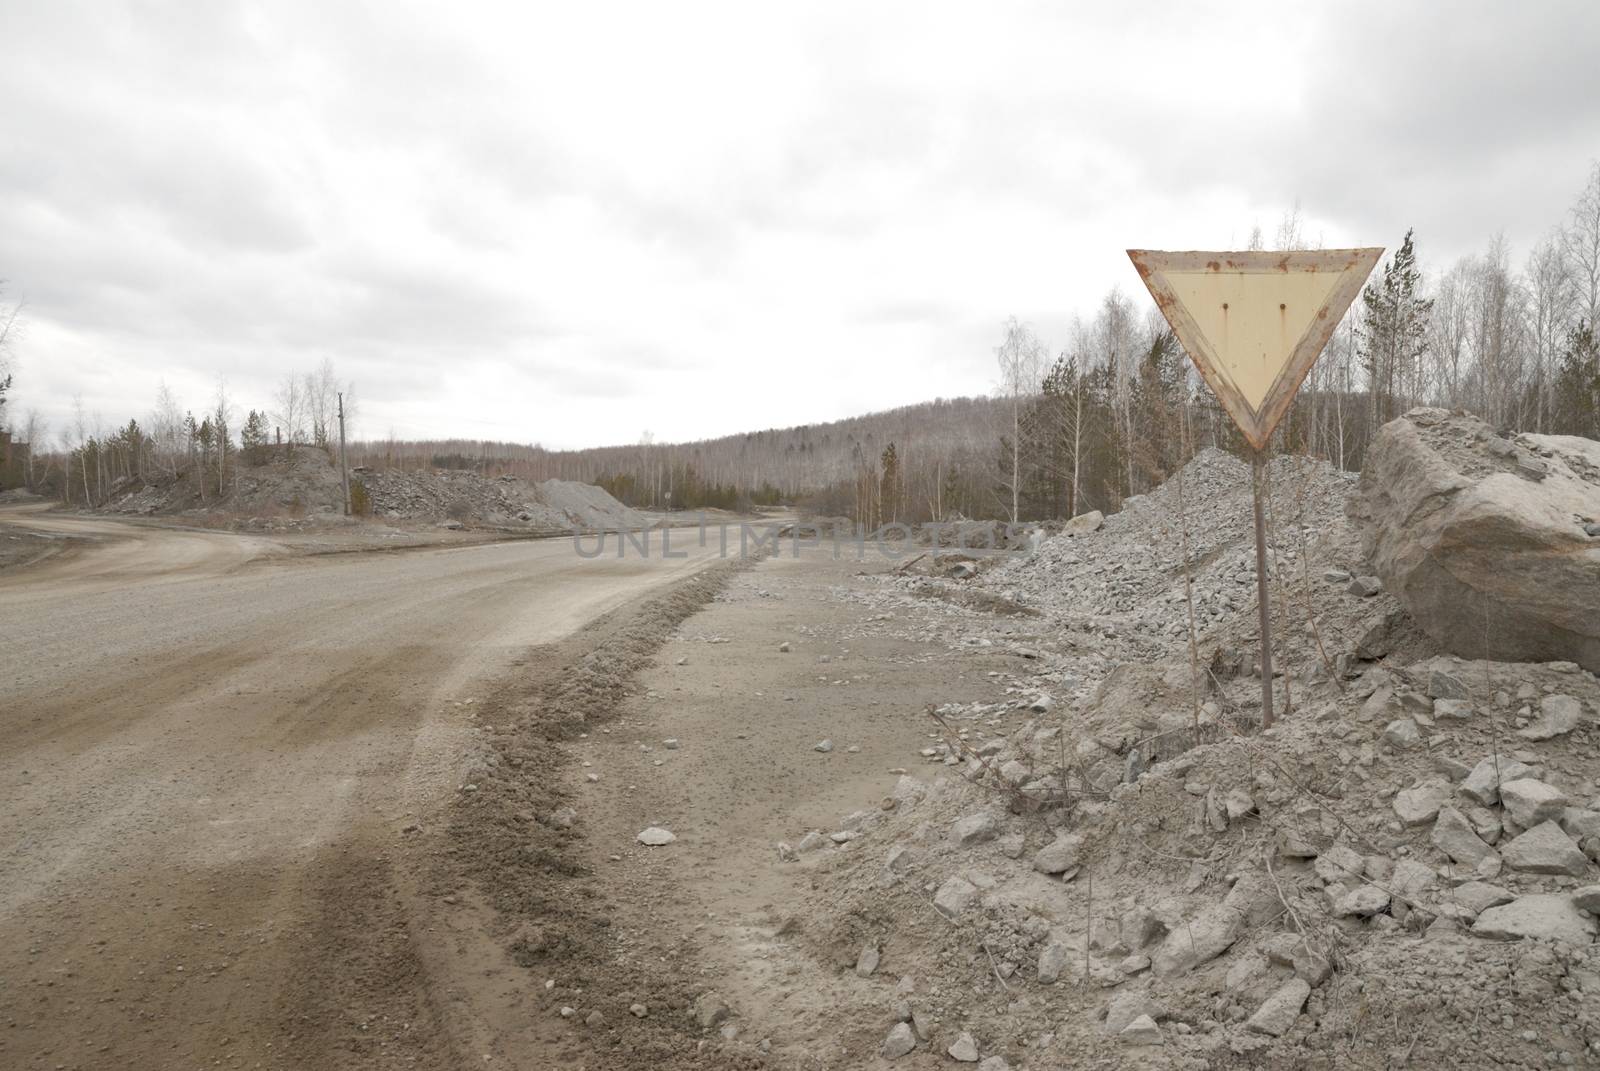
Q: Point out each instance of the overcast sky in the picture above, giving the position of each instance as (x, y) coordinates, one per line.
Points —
(567, 223)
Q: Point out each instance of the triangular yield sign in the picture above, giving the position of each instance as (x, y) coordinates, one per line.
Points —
(1254, 322)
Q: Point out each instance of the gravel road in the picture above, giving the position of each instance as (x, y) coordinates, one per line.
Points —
(211, 747)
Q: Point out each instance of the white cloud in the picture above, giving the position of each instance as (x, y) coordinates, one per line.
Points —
(566, 223)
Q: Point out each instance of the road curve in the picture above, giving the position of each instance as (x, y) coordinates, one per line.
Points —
(193, 722)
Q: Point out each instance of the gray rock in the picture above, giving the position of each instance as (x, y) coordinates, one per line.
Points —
(1402, 733)
(1339, 863)
(563, 818)
(1010, 845)
(1052, 958)
(1216, 928)
(867, 961)
(1480, 896)
(1483, 783)
(1587, 899)
(823, 746)
(964, 1049)
(954, 896)
(1550, 916)
(900, 859)
(1531, 802)
(1452, 709)
(1442, 684)
(655, 836)
(1127, 1006)
(811, 842)
(1142, 1031)
(1580, 823)
(993, 1063)
(1544, 849)
(1419, 804)
(1058, 856)
(1312, 968)
(974, 829)
(1278, 1012)
(1084, 523)
(1454, 836)
(1411, 877)
(1558, 716)
(899, 1042)
(1446, 534)
(1364, 900)
(1365, 586)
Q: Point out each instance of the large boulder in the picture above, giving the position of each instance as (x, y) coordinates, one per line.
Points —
(1484, 539)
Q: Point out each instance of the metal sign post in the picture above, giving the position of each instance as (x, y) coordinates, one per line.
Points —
(1253, 323)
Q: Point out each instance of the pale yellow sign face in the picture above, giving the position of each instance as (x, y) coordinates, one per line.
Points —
(1253, 322)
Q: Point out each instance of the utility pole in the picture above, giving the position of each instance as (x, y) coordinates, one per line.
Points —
(344, 468)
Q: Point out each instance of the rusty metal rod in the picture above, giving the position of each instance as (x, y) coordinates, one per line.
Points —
(1258, 471)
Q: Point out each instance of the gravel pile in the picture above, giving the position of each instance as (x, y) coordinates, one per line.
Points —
(1117, 861)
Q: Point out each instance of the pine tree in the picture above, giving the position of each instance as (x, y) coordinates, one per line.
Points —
(1578, 384)
(1393, 334)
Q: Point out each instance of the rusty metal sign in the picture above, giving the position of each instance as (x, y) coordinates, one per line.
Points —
(1253, 323)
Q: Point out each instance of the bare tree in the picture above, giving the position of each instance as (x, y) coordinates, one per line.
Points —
(1550, 304)
(290, 409)
(34, 430)
(1583, 248)
(1020, 356)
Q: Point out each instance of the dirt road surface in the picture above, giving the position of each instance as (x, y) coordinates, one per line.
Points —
(211, 751)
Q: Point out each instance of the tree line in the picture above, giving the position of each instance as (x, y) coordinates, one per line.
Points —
(1108, 412)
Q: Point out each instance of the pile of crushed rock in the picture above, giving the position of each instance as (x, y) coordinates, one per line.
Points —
(304, 483)
(462, 496)
(1117, 862)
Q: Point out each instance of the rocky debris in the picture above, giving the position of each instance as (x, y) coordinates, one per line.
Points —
(1059, 856)
(1545, 849)
(974, 829)
(1215, 929)
(824, 746)
(1482, 785)
(1365, 586)
(1549, 916)
(1419, 804)
(1587, 899)
(1142, 1031)
(1402, 733)
(899, 1043)
(964, 1049)
(1531, 802)
(1278, 1012)
(1558, 716)
(1052, 959)
(1454, 836)
(1084, 523)
(638, 1011)
(1366, 900)
(1449, 525)
(954, 896)
(867, 961)
(655, 837)
(1128, 1006)
(1479, 896)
